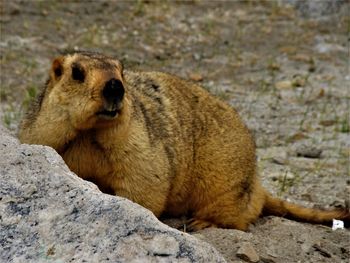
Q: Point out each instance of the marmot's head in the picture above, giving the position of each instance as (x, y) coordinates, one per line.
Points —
(89, 87)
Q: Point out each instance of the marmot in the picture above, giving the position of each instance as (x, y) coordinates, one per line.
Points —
(160, 141)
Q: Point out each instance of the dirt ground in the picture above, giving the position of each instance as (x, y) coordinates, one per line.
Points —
(284, 65)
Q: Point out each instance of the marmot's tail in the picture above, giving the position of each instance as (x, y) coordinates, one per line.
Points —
(278, 207)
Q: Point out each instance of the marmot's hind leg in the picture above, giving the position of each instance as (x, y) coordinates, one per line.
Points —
(224, 221)
(222, 212)
(228, 210)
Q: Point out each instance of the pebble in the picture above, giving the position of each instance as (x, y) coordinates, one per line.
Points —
(327, 48)
(277, 155)
(197, 56)
(282, 160)
(196, 76)
(298, 82)
(247, 253)
(267, 260)
(280, 175)
(308, 151)
(284, 84)
(327, 122)
(302, 57)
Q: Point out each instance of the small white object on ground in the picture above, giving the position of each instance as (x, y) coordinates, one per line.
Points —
(337, 224)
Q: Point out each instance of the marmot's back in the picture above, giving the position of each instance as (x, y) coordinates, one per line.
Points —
(176, 108)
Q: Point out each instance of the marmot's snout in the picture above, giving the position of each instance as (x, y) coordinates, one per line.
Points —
(113, 94)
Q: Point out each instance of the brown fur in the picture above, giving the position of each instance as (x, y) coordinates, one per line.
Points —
(173, 148)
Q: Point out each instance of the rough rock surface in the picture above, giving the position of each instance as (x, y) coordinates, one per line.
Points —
(47, 213)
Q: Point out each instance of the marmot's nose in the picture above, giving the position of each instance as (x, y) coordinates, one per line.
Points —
(113, 91)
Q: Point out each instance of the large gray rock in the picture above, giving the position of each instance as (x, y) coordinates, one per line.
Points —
(47, 213)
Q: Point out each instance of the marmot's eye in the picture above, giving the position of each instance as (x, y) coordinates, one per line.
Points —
(78, 72)
(58, 72)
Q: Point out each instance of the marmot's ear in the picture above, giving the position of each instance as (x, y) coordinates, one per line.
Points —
(57, 68)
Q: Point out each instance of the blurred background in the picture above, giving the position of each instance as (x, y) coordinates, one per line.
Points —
(282, 64)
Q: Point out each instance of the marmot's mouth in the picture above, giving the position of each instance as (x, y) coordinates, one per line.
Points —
(108, 114)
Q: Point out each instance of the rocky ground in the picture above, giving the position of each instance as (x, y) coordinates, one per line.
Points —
(282, 64)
